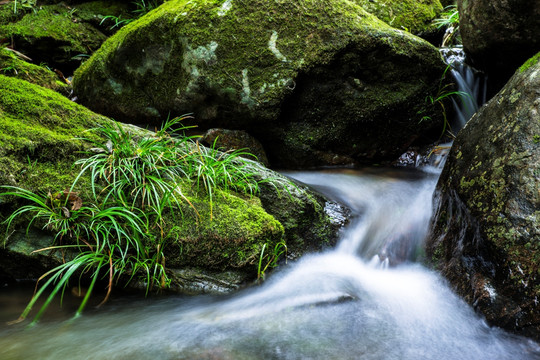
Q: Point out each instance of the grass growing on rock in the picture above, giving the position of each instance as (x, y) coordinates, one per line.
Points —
(135, 186)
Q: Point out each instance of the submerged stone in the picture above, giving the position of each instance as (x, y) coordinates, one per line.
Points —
(486, 236)
(316, 82)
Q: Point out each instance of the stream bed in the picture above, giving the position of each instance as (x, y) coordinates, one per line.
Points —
(369, 298)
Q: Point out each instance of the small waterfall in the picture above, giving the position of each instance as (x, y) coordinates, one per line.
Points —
(470, 83)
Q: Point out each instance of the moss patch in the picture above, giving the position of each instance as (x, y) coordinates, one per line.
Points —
(52, 27)
(532, 61)
(11, 65)
(231, 235)
(412, 15)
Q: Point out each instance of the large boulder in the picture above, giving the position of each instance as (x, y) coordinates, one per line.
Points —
(486, 237)
(40, 138)
(498, 36)
(316, 82)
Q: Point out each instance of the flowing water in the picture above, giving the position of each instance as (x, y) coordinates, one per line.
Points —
(365, 299)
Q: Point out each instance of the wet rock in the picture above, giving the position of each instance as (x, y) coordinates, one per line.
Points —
(317, 82)
(498, 36)
(486, 236)
(227, 140)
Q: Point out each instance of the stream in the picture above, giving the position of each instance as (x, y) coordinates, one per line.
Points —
(369, 298)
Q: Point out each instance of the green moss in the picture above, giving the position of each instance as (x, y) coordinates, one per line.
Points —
(411, 15)
(39, 129)
(52, 27)
(11, 65)
(7, 15)
(232, 234)
(94, 11)
(532, 61)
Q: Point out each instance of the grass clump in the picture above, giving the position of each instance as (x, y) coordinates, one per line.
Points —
(449, 20)
(120, 232)
(141, 8)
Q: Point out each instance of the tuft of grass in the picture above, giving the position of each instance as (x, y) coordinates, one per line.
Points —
(142, 7)
(211, 168)
(449, 20)
(118, 233)
(444, 92)
(271, 258)
(23, 4)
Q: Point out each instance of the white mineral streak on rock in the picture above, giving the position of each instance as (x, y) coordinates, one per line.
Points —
(225, 8)
(273, 48)
(246, 91)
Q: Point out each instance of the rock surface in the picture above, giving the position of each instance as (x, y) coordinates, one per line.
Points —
(316, 82)
(11, 64)
(231, 140)
(498, 36)
(486, 239)
(411, 15)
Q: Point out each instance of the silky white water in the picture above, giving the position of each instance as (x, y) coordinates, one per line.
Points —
(366, 299)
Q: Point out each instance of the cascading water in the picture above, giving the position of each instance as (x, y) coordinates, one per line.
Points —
(366, 299)
(343, 304)
(469, 83)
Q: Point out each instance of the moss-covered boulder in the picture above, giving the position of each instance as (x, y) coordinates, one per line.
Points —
(40, 134)
(317, 82)
(13, 65)
(52, 34)
(498, 36)
(486, 239)
(415, 16)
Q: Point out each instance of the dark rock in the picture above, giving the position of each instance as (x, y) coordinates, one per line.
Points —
(486, 237)
(226, 140)
(498, 36)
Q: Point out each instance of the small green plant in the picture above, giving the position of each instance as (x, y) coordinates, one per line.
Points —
(211, 168)
(444, 92)
(23, 4)
(117, 21)
(450, 21)
(536, 139)
(142, 7)
(271, 259)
